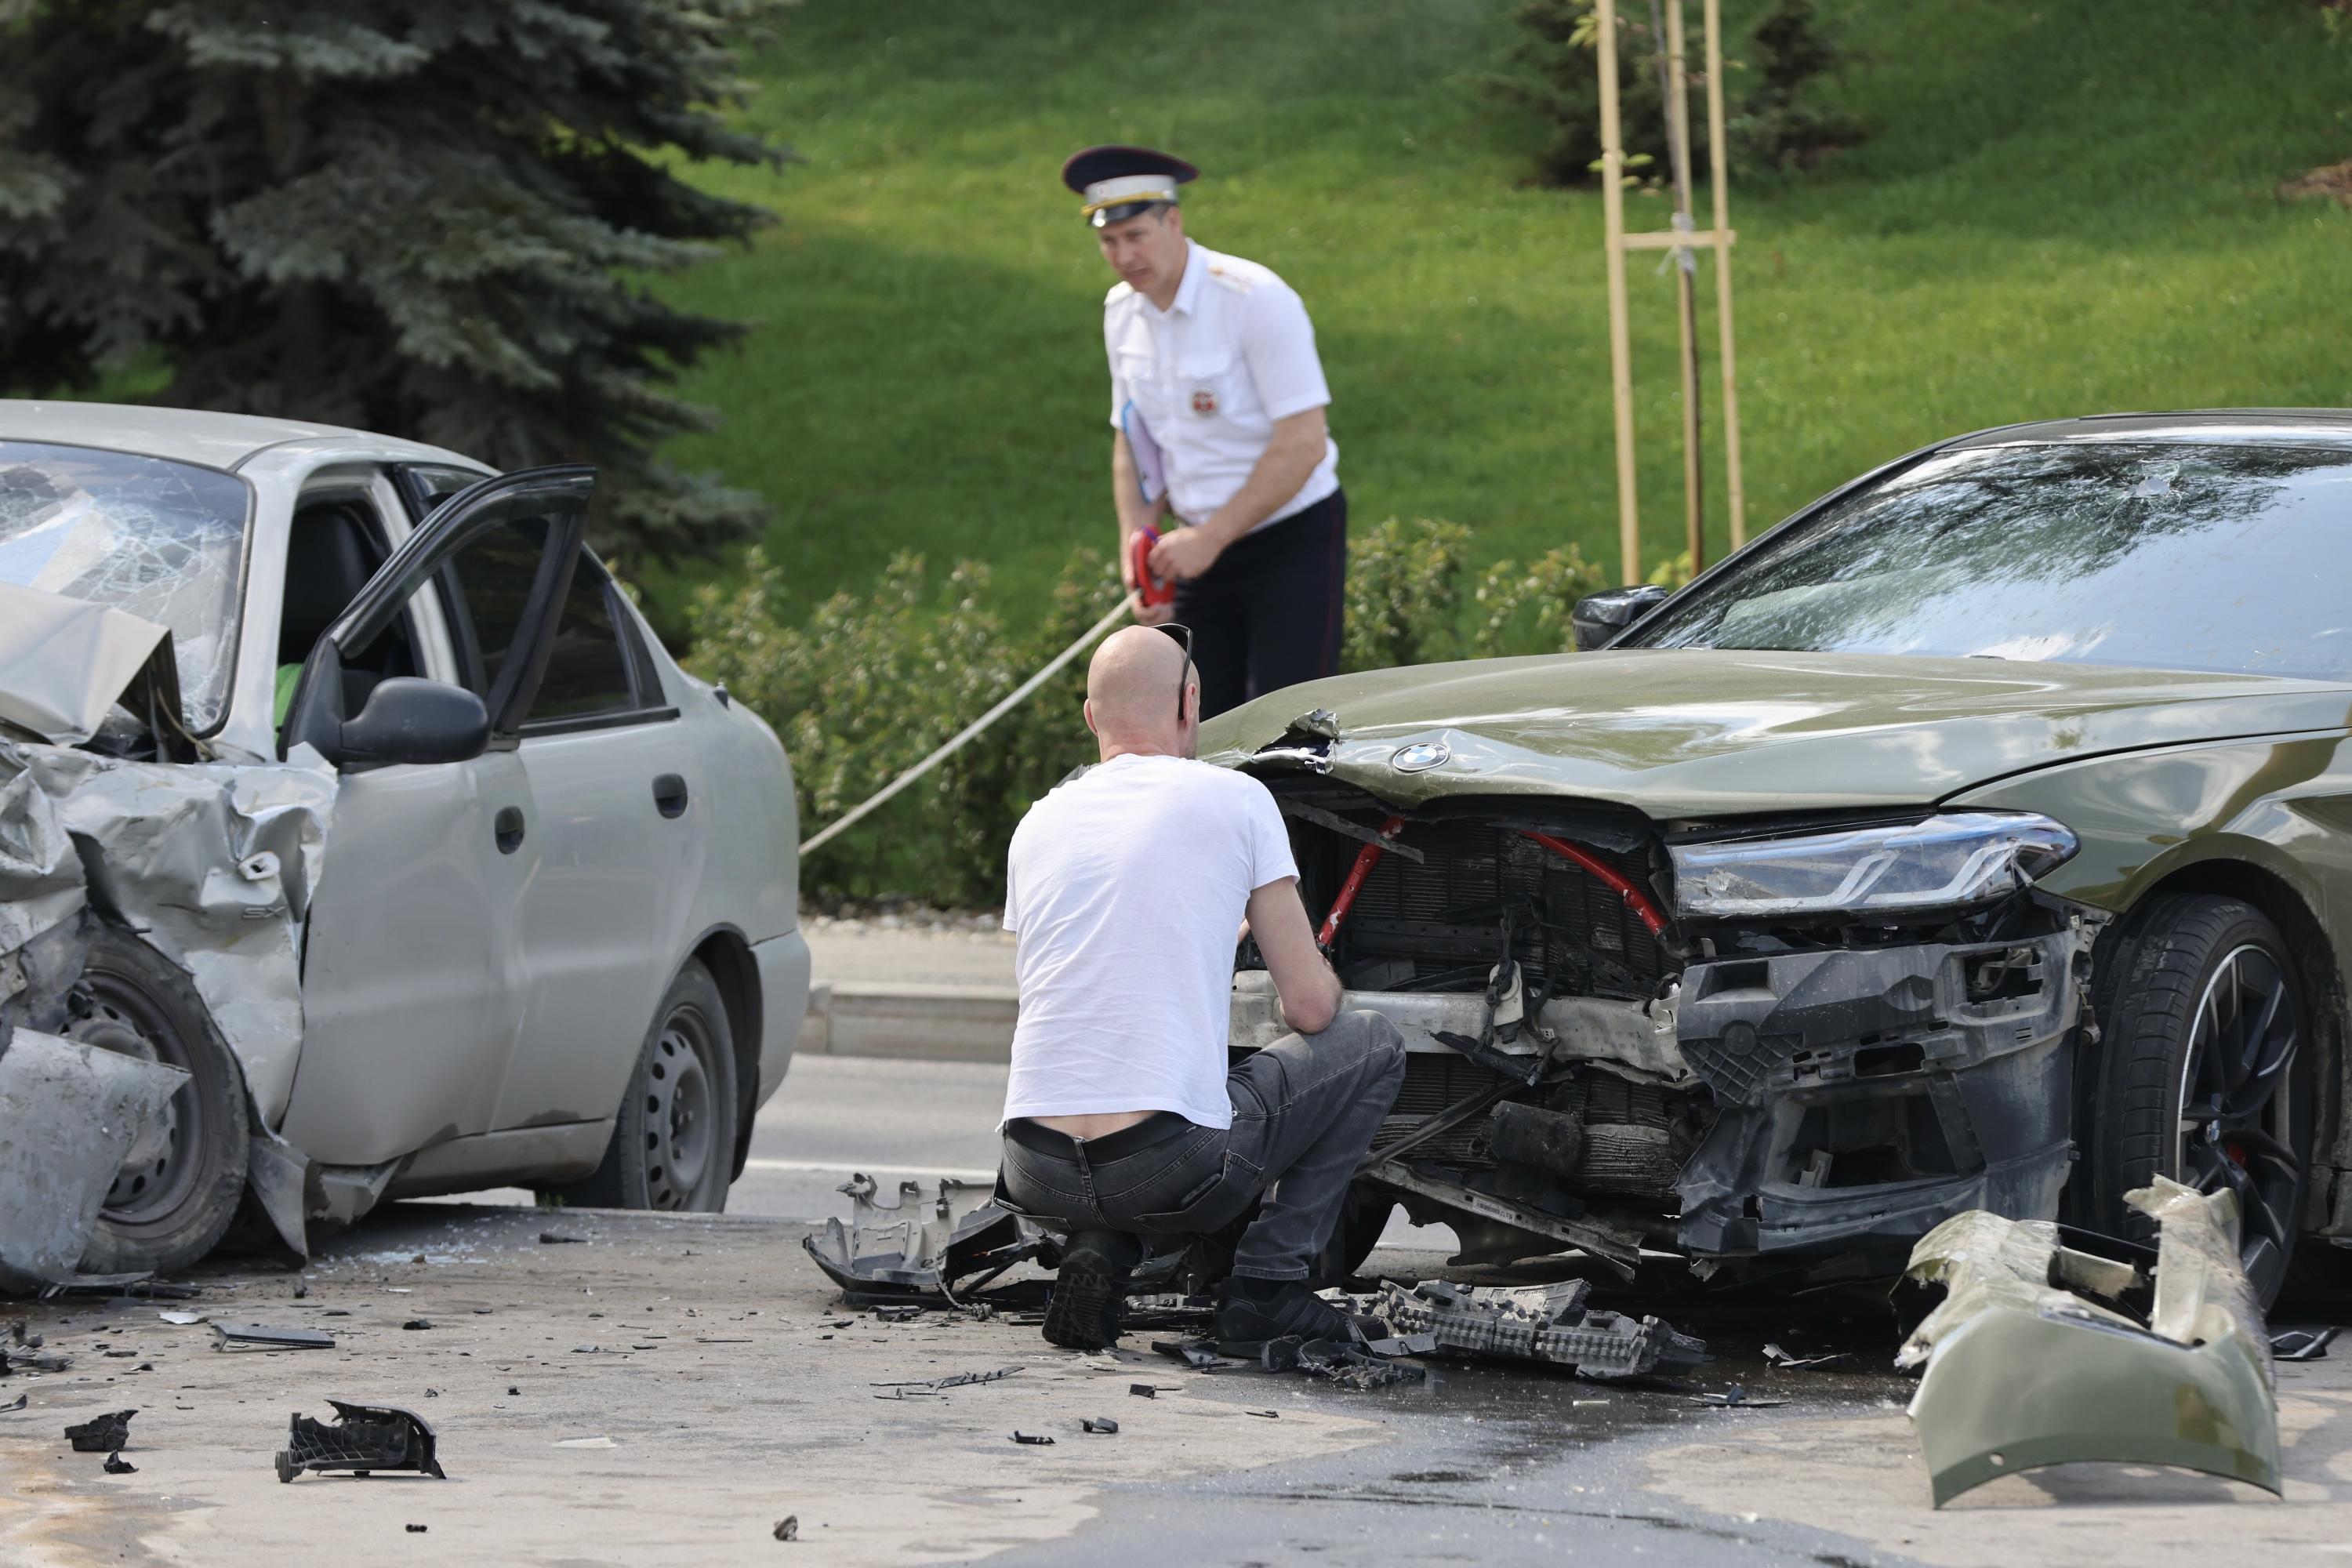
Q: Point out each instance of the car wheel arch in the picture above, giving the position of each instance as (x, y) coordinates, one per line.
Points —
(2286, 906)
(725, 951)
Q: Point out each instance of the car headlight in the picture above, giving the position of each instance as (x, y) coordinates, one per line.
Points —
(1945, 862)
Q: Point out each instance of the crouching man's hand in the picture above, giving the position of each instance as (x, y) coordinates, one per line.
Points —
(1302, 976)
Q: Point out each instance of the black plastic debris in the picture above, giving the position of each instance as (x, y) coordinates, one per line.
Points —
(1349, 1365)
(2302, 1345)
(1032, 1439)
(897, 1314)
(1736, 1398)
(1783, 1359)
(17, 1335)
(960, 1380)
(789, 1527)
(18, 1404)
(1193, 1353)
(1264, 1415)
(1140, 1390)
(514, 1388)
(101, 1434)
(365, 1438)
(116, 1465)
(418, 1323)
(22, 1360)
(560, 1238)
(264, 1336)
(1102, 1424)
(302, 1289)
(414, 1529)
(921, 1244)
(1539, 1322)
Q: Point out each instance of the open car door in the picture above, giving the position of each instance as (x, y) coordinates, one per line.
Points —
(413, 981)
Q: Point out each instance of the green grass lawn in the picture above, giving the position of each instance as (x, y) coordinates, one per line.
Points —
(2065, 206)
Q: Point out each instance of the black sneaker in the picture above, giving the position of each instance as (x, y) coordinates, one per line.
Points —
(1083, 1312)
(1246, 1322)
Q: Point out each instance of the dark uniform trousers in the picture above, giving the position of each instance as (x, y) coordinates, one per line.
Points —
(1268, 614)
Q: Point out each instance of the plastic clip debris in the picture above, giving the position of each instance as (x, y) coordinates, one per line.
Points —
(1102, 1424)
(262, 1336)
(1032, 1439)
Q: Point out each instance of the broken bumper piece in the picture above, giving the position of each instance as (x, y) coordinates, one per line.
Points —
(70, 1113)
(1869, 1095)
(920, 1245)
(1538, 1323)
(2025, 1368)
(364, 1439)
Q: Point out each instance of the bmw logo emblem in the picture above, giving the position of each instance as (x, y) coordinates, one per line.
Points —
(1421, 756)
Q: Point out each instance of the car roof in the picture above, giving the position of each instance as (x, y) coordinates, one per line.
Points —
(198, 435)
(2331, 426)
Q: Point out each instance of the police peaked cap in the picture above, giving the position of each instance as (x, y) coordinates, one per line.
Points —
(1117, 183)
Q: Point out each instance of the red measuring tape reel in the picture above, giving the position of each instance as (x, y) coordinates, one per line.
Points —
(1150, 590)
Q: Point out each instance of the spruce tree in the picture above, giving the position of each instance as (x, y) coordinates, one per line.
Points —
(429, 217)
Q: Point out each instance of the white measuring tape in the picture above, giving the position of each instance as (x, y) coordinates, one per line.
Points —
(1125, 606)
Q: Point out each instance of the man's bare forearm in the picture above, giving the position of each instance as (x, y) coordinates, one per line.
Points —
(1290, 457)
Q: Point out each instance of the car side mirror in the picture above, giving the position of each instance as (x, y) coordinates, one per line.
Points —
(408, 719)
(1600, 617)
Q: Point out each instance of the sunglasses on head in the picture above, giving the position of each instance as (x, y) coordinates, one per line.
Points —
(1181, 635)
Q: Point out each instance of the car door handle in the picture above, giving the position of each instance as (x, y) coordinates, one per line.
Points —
(670, 795)
(508, 827)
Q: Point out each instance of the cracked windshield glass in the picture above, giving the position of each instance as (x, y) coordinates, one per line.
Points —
(161, 541)
(2156, 555)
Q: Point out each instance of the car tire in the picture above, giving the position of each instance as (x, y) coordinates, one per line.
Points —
(674, 1142)
(2203, 1076)
(178, 1188)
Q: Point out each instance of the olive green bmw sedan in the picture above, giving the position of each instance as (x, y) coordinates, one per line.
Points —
(1979, 838)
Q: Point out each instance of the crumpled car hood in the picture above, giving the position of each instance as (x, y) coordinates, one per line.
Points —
(64, 661)
(1689, 732)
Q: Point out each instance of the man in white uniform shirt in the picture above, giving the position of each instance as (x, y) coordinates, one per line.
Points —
(1217, 398)
(1127, 886)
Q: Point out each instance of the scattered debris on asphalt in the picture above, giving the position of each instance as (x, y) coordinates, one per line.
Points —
(365, 1438)
(264, 1336)
(1776, 1356)
(418, 1323)
(101, 1434)
(182, 1318)
(2025, 1368)
(116, 1465)
(1264, 1415)
(1736, 1398)
(1194, 1353)
(2302, 1345)
(960, 1380)
(1357, 1366)
(560, 1238)
(1032, 1439)
(1538, 1323)
(920, 1246)
(1102, 1424)
(788, 1528)
(17, 1405)
(414, 1529)
(897, 1314)
(1144, 1390)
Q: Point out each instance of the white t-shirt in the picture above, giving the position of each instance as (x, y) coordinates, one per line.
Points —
(1127, 886)
(1208, 377)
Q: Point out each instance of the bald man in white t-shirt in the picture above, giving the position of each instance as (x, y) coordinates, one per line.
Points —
(1127, 886)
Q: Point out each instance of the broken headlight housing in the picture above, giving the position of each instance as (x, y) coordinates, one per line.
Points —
(1945, 862)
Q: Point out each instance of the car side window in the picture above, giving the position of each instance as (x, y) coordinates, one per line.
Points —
(484, 591)
(587, 668)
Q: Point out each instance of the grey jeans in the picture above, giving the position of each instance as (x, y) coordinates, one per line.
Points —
(1305, 1111)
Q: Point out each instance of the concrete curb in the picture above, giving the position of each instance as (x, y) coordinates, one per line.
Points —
(910, 1021)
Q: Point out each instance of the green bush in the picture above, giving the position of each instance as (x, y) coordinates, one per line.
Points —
(1553, 69)
(867, 687)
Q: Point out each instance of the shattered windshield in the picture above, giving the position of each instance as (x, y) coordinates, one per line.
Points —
(161, 541)
(2158, 555)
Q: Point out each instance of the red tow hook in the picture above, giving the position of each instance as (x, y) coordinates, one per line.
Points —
(1609, 877)
(1366, 859)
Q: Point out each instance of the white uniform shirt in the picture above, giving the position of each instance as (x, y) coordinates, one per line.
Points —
(1127, 886)
(1209, 376)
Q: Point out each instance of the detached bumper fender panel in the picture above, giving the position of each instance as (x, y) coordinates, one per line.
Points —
(784, 966)
(1868, 1095)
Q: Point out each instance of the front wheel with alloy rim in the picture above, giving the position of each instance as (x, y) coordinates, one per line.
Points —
(178, 1187)
(2205, 1072)
(674, 1142)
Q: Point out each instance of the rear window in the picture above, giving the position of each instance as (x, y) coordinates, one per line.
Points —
(161, 541)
